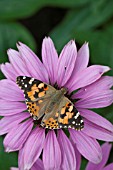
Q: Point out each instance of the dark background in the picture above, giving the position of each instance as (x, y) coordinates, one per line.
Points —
(29, 21)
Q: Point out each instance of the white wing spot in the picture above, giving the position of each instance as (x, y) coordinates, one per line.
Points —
(73, 122)
(77, 115)
(24, 77)
(81, 121)
(25, 85)
(30, 82)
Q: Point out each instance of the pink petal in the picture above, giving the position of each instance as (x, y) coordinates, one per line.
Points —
(50, 58)
(97, 100)
(9, 122)
(38, 165)
(8, 108)
(15, 139)
(105, 155)
(78, 156)
(10, 91)
(87, 76)
(67, 152)
(51, 152)
(17, 62)
(21, 158)
(32, 149)
(97, 132)
(82, 58)
(33, 64)
(66, 63)
(96, 119)
(9, 71)
(81, 61)
(104, 83)
(108, 167)
(87, 146)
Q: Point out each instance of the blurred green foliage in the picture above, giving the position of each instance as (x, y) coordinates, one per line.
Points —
(7, 159)
(85, 20)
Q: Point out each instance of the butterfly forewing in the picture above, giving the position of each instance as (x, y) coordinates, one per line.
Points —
(37, 95)
(34, 89)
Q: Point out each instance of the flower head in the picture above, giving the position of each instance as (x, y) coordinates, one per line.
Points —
(70, 71)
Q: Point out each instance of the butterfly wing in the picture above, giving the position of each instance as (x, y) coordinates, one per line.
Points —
(68, 116)
(37, 95)
(34, 89)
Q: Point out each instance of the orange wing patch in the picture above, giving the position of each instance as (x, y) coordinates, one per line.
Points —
(36, 92)
(31, 94)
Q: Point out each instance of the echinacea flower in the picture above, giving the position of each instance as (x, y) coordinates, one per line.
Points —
(71, 71)
(106, 148)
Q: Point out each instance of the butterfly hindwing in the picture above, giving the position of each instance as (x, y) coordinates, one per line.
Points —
(37, 108)
(69, 117)
(50, 122)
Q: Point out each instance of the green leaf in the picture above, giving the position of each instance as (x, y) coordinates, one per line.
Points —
(67, 3)
(7, 160)
(15, 9)
(10, 34)
(93, 15)
(106, 112)
(83, 164)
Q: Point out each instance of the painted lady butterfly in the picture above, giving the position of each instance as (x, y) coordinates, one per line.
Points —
(45, 101)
